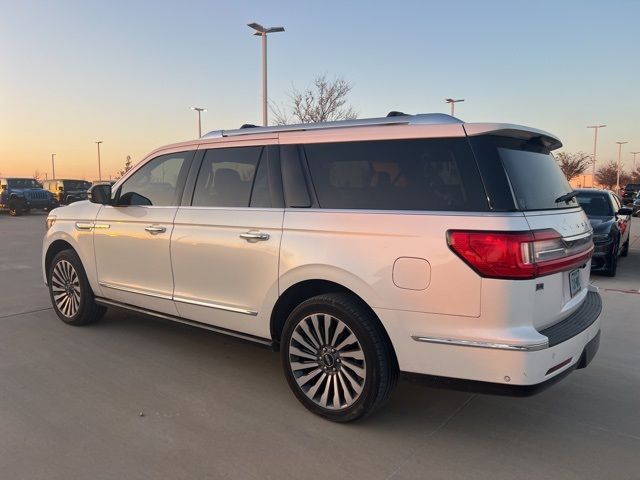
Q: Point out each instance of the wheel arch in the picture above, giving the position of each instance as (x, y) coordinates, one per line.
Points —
(53, 249)
(305, 289)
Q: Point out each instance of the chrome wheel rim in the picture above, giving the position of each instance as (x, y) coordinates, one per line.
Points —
(65, 288)
(327, 361)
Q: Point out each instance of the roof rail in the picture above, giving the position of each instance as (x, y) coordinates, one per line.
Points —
(419, 119)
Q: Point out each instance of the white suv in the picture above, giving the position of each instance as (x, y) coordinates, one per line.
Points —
(360, 249)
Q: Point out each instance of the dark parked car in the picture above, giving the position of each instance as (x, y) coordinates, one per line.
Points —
(611, 225)
(68, 191)
(629, 192)
(19, 195)
(636, 205)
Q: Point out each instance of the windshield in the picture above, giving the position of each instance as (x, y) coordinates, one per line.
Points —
(23, 183)
(76, 185)
(595, 204)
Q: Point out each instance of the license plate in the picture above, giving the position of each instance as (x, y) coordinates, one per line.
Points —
(574, 282)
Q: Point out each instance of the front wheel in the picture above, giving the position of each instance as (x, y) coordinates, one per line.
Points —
(15, 208)
(337, 358)
(70, 292)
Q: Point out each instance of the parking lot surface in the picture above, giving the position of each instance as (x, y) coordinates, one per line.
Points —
(138, 398)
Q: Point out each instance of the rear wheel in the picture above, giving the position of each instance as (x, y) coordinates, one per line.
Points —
(337, 359)
(70, 292)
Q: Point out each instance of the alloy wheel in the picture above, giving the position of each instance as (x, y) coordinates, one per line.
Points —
(327, 361)
(65, 287)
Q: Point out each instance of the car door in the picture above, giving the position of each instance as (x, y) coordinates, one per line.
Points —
(622, 220)
(226, 240)
(132, 237)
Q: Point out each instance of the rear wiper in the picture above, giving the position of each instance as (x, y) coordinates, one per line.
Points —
(566, 197)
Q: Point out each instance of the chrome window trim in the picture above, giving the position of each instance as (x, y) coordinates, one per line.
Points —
(530, 347)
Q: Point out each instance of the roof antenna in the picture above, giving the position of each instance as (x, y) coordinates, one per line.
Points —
(393, 113)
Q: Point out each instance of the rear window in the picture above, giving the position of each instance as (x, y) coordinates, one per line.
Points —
(595, 204)
(424, 174)
(532, 173)
(76, 185)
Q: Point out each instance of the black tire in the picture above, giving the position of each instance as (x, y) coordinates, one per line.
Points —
(613, 265)
(87, 310)
(625, 249)
(15, 208)
(372, 343)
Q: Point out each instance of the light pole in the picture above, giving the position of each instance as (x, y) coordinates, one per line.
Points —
(199, 110)
(618, 171)
(53, 166)
(634, 160)
(99, 169)
(262, 32)
(595, 144)
(453, 102)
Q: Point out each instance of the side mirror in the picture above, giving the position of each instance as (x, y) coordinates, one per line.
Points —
(100, 193)
(625, 211)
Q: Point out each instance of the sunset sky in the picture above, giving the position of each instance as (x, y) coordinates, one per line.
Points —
(126, 72)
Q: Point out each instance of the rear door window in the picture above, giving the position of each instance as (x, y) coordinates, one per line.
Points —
(226, 178)
(422, 174)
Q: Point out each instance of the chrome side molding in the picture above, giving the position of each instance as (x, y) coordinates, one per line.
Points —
(215, 306)
(527, 347)
(232, 333)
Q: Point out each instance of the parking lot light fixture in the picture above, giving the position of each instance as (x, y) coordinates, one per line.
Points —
(453, 102)
(595, 144)
(98, 142)
(618, 170)
(261, 31)
(634, 160)
(199, 110)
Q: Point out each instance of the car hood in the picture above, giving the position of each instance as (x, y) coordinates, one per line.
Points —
(601, 224)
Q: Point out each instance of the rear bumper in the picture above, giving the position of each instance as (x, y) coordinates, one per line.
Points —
(559, 349)
(474, 386)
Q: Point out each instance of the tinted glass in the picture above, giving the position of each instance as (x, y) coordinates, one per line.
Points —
(156, 183)
(534, 175)
(76, 185)
(595, 204)
(424, 174)
(261, 194)
(23, 183)
(226, 177)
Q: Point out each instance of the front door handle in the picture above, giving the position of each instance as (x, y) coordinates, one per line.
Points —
(254, 236)
(155, 229)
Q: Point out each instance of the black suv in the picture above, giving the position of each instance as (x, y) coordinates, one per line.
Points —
(19, 195)
(629, 192)
(67, 191)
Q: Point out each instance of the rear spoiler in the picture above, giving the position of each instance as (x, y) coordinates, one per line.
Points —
(515, 131)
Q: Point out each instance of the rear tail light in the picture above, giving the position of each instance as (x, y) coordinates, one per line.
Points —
(519, 255)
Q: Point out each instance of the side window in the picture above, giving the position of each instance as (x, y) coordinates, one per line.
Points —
(423, 174)
(157, 183)
(226, 178)
(616, 203)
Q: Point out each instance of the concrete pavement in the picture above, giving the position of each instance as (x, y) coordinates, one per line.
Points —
(137, 398)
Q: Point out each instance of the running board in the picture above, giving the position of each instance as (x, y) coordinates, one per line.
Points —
(225, 331)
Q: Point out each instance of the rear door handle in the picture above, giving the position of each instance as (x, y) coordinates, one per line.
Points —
(254, 236)
(155, 229)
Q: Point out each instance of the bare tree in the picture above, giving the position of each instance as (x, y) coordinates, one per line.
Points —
(127, 167)
(325, 101)
(573, 164)
(607, 175)
(635, 175)
(38, 176)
